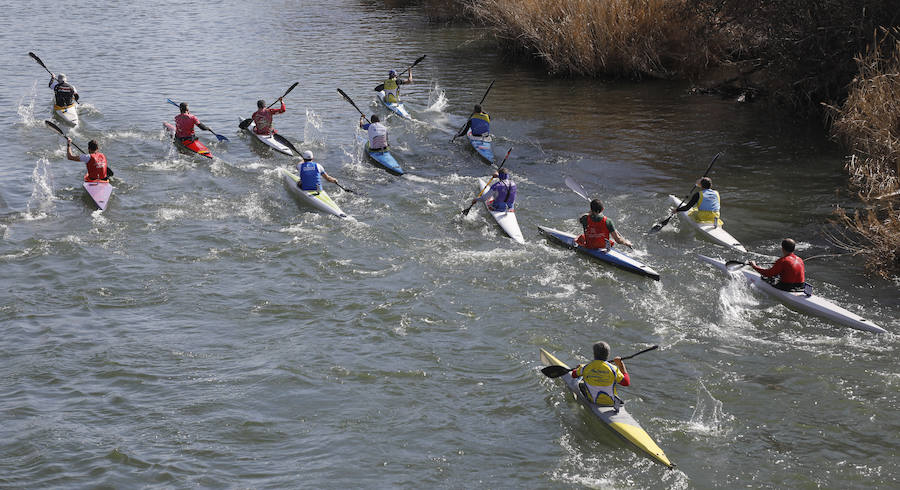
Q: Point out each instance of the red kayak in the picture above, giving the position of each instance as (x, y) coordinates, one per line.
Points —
(194, 146)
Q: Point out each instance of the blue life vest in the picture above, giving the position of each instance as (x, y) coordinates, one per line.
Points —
(309, 176)
(506, 192)
(481, 124)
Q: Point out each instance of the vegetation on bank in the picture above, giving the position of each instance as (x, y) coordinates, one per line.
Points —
(802, 57)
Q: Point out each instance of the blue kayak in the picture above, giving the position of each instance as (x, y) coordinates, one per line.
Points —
(484, 145)
(386, 160)
(395, 107)
(612, 257)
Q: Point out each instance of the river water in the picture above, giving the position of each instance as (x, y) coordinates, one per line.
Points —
(207, 331)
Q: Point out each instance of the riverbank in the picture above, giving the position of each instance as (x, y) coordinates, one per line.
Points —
(797, 57)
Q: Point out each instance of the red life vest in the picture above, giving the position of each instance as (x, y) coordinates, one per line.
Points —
(96, 167)
(596, 233)
(792, 270)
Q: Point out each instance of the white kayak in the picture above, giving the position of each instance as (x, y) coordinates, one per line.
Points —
(67, 114)
(274, 141)
(506, 219)
(99, 190)
(620, 422)
(319, 200)
(395, 107)
(800, 301)
(712, 231)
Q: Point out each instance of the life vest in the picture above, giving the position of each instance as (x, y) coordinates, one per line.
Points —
(707, 207)
(96, 167)
(310, 180)
(596, 233)
(391, 90)
(601, 378)
(377, 135)
(184, 125)
(506, 192)
(65, 94)
(792, 271)
(480, 124)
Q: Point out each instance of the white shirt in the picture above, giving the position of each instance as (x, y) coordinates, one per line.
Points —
(377, 135)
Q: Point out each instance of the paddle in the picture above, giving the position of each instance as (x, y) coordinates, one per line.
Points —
(351, 191)
(665, 221)
(556, 371)
(60, 131)
(285, 142)
(459, 133)
(246, 122)
(35, 57)
(465, 212)
(380, 86)
(348, 99)
(577, 189)
(219, 136)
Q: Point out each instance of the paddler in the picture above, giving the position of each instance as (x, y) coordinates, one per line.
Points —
(480, 122)
(707, 204)
(97, 168)
(66, 94)
(503, 192)
(600, 377)
(790, 269)
(184, 124)
(262, 118)
(598, 229)
(391, 86)
(311, 173)
(377, 132)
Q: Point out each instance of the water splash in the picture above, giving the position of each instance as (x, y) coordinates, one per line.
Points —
(437, 99)
(312, 130)
(25, 110)
(709, 418)
(41, 200)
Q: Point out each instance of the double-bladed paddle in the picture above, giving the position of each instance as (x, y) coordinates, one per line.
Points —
(218, 136)
(458, 133)
(35, 57)
(380, 87)
(246, 122)
(577, 189)
(665, 221)
(348, 99)
(556, 371)
(465, 212)
(60, 131)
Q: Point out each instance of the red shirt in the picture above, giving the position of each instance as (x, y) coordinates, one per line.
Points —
(96, 166)
(184, 125)
(263, 119)
(595, 235)
(789, 268)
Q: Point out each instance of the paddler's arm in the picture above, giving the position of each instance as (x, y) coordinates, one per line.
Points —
(626, 380)
(619, 238)
(688, 205)
(329, 178)
(775, 270)
(576, 371)
(283, 107)
(69, 154)
(465, 128)
(363, 124)
(202, 126)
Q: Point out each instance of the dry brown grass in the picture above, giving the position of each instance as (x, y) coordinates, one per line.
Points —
(869, 124)
(633, 38)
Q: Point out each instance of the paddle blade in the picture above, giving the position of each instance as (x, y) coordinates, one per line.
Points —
(173, 103)
(54, 127)
(661, 224)
(220, 137)
(289, 90)
(576, 188)
(555, 371)
(733, 265)
(245, 123)
(379, 87)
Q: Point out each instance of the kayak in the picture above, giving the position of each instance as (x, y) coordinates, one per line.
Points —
(800, 301)
(99, 190)
(67, 114)
(395, 107)
(612, 256)
(385, 159)
(506, 219)
(620, 422)
(195, 146)
(274, 141)
(711, 231)
(484, 146)
(319, 200)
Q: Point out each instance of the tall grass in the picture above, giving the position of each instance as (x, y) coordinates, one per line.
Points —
(633, 38)
(868, 122)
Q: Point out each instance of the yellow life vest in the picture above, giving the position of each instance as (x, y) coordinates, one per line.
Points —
(391, 90)
(707, 210)
(481, 115)
(601, 378)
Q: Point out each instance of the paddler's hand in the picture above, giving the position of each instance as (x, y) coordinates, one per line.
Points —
(627, 244)
(68, 141)
(752, 264)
